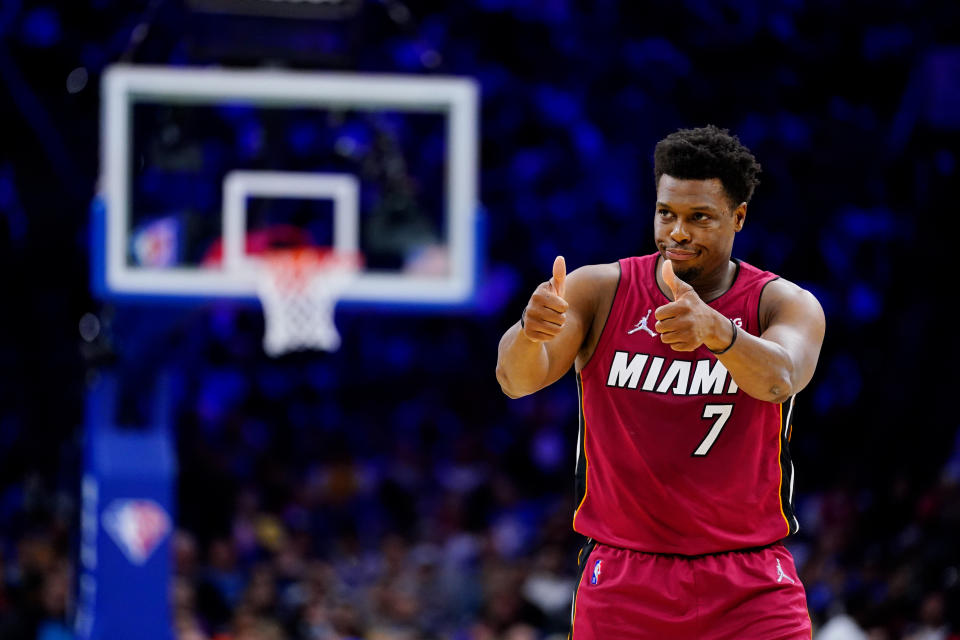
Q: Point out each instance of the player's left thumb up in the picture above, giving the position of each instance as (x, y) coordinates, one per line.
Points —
(677, 286)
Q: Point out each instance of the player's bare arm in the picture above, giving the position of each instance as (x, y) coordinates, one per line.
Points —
(556, 331)
(771, 367)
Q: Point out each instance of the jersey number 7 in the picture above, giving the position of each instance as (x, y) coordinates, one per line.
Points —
(722, 413)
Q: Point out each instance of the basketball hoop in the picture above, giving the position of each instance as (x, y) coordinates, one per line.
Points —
(299, 289)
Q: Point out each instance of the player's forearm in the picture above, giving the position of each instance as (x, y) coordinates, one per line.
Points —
(522, 365)
(762, 368)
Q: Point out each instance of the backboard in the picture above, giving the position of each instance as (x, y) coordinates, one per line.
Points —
(201, 168)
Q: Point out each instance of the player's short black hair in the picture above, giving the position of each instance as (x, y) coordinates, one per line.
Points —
(708, 152)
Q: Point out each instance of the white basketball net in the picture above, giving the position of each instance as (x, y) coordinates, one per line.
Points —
(299, 289)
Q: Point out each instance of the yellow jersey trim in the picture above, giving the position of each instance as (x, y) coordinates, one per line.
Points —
(783, 513)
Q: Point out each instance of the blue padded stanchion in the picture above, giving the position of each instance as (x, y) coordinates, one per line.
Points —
(127, 521)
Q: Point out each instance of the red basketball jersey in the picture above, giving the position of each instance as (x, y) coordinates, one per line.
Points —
(672, 456)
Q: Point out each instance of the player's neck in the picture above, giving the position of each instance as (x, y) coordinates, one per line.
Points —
(714, 284)
(710, 285)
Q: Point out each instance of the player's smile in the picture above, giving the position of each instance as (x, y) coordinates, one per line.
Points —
(677, 254)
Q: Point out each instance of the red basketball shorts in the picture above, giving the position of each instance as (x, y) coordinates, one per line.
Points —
(740, 595)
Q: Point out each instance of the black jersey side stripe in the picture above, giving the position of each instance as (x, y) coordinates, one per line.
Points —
(580, 472)
(786, 467)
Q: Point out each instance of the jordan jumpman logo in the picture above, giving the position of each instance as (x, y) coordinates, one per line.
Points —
(781, 575)
(642, 325)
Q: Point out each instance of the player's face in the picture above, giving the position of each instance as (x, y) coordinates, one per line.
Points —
(694, 225)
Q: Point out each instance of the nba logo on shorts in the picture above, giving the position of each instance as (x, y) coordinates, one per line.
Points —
(137, 526)
(596, 572)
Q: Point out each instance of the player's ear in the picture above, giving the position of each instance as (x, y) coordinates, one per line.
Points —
(739, 216)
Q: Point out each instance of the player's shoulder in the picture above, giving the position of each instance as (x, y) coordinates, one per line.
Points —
(782, 295)
(592, 284)
(783, 289)
(598, 273)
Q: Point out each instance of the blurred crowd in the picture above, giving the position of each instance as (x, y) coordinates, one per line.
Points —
(390, 491)
(460, 549)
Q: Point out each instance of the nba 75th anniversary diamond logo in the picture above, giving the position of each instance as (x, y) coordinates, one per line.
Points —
(137, 526)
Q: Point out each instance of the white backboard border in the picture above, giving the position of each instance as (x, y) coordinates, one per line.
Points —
(123, 85)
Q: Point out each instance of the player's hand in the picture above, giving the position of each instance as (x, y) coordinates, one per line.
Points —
(687, 322)
(545, 313)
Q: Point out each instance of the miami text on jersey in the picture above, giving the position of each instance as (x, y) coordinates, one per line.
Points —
(679, 377)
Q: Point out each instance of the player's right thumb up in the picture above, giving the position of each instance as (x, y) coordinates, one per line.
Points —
(558, 281)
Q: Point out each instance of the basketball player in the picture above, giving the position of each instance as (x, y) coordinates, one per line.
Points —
(688, 363)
